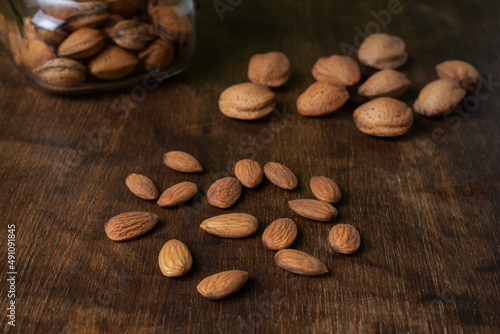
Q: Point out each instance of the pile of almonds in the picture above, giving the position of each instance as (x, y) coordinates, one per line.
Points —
(176, 260)
(108, 39)
(383, 116)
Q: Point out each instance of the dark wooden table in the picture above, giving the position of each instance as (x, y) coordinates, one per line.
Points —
(426, 204)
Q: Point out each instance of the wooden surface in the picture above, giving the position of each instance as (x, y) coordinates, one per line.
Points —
(427, 208)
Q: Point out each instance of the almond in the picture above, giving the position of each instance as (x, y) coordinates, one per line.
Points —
(280, 234)
(130, 225)
(383, 117)
(62, 72)
(224, 193)
(280, 175)
(158, 55)
(175, 259)
(299, 262)
(249, 173)
(325, 189)
(83, 43)
(385, 83)
(85, 14)
(113, 63)
(171, 24)
(382, 51)
(344, 238)
(178, 194)
(322, 98)
(131, 34)
(223, 284)
(342, 68)
(313, 209)
(182, 162)
(142, 187)
(461, 71)
(247, 101)
(270, 69)
(439, 97)
(35, 53)
(232, 225)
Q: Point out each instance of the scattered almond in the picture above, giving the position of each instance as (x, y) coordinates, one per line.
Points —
(232, 225)
(382, 51)
(223, 284)
(322, 98)
(280, 175)
(175, 259)
(439, 97)
(270, 69)
(299, 262)
(224, 193)
(313, 209)
(461, 71)
(342, 68)
(383, 117)
(344, 238)
(142, 187)
(249, 172)
(182, 162)
(385, 83)
(247, 101)
(280, 234)
(130, 225)
(325, 189)
(178, 194)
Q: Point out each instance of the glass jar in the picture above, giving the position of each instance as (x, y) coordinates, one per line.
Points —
(75, 46)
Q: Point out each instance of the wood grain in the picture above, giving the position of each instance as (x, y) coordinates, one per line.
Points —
(426, 204)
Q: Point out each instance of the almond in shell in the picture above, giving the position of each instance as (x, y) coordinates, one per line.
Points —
(270, 69)
(280, 175)
(142, 186)
(322, 98)
(132, 34)
(35, 53)
(223, 284)
(175, 259)
(63, 72)
(247, 101)
(299, 262)
(342, 68)
(325, 189)
(249, 172)
(232, 225)
(178, 194)
(85, 14)
(83, 43)
(113, 63)
(461, 71)
(130, 225)
(344, 238)
(382, 51)
(313, 209)
(158, 55)
(182, 162)
(224, 193)
(439, 97)
(385, 83)
(51, 37)
(280, 234)
(171, 24)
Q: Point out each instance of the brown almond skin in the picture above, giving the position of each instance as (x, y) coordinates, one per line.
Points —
(113, 63)
(178, 194)
(325, 189)
(232, 225)
(280, 234)
(175, 259)
(438, 97)
(280, 175)
(299, 262)
(142, 187)
(322, 98)
(461, 71)
(382, 51)
(344, 238)
(83, 43)
(223, 284)
(86, 14)
(51, 37)
(342, 68)
(383, 117)
(61, 72)
(170, 26)
(182, 162)
(131, 34)
(249, 173)
(313, 209)
(35, 53)
(157, 55)
(385, 83)
(247, 101)
(224, 193)
(130, 225)
(270, 69)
